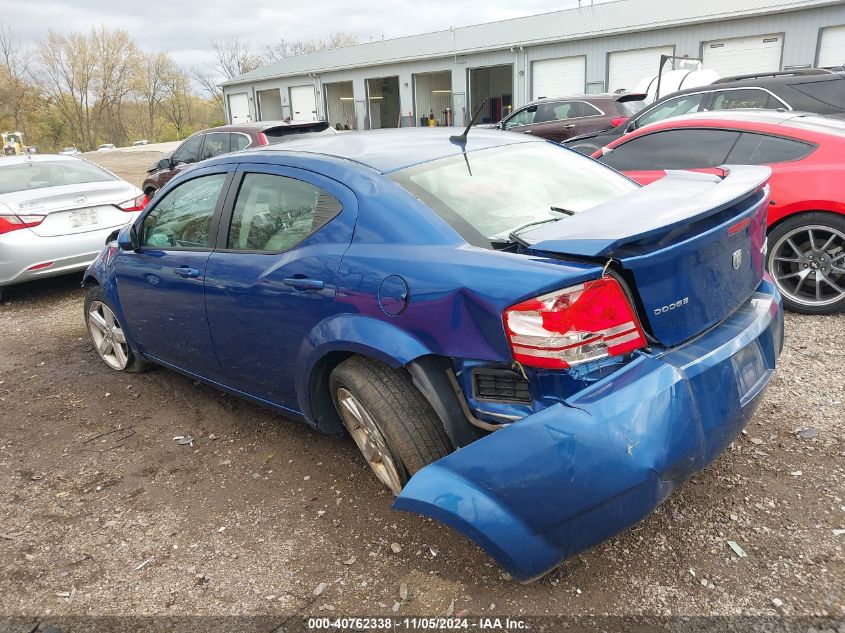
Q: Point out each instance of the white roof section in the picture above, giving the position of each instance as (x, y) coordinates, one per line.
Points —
(606, 18)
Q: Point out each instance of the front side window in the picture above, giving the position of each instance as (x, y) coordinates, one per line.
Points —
(684, 104)
(216, 143)
(182, 218)
(275, 213)
(523, 117)
(673, 149)
(486, 194)
(738, 99)
(189, 151)
(760, 149)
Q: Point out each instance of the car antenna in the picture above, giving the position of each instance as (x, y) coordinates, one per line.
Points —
(462, 138)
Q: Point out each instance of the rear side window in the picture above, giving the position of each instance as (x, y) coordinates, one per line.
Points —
(759, 149)
(738, 99)
(275, 213)
(673, 149)
(830, 92)
(216, 143)
(240, 141)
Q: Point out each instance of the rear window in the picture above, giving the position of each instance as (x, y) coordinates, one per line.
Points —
(284, 133)
(486, 194)
(826, 125)
(630, 108)
(830, 92)
(37, 175)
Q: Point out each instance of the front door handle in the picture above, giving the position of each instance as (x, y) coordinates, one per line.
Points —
(185, 271)
(303, 283)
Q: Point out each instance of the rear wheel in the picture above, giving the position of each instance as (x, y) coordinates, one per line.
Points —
(807, 261)
(391, 422)
(108, 335)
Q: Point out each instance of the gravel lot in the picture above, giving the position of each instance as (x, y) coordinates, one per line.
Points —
(102, 512)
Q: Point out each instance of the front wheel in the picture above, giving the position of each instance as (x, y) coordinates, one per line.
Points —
(391, 422)
(108, 335)
(807, 262)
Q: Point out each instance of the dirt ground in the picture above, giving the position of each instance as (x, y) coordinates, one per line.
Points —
(102, 512)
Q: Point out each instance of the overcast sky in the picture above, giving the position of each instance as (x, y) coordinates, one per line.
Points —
(185, 27)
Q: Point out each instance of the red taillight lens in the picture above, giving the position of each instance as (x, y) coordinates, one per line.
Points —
(574, 325)
(135, 204)
(617, 121)
(262, 140)
(11, 222)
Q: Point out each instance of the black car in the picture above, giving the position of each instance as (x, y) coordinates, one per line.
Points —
(811, 90)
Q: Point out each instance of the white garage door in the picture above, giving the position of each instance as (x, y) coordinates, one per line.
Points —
(743, 55)
(302, 103)
(239, 108)
(628, 67)
(558, 77)
(832, 47)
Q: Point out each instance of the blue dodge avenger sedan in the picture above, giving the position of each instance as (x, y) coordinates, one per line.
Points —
(523, 343)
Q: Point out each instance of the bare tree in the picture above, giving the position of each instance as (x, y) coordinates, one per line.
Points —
(233, 57)
(178, 101)
(17, 90)
(157, 69)
(289, 48)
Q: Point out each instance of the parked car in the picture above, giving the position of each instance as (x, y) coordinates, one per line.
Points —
(224, 139)
(561, 325)
(813, 90)
(106, 147)
(806, 220)
(55, 214)
(560, 118)
(69, 151)
(141, 142)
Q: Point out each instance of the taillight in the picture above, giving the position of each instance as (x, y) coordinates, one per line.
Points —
(11, 222)
(574, 325)
(617, 121)
(135, 204)
(262, 140)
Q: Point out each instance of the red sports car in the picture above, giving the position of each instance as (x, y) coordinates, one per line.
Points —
(806, 219)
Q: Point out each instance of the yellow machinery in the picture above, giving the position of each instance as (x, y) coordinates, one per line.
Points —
(13, 143)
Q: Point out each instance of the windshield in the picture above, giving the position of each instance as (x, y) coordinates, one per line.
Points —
(36, 175)
(489, 193)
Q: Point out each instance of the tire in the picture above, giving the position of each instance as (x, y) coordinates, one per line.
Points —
(396, 423)
(809, 275)
(108, 336)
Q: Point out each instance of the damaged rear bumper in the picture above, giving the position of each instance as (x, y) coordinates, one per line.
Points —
(573, 475)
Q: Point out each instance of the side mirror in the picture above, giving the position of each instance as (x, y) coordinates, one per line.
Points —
(127, 239)
(165, 163)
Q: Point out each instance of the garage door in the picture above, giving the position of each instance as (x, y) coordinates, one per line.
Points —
(558, 77)
(743, 55)
(239, 108)
(302, 103)
(832, 47)
(626, 68)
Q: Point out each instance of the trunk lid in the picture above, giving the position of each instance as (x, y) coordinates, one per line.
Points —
(72, 209)
(691, 245)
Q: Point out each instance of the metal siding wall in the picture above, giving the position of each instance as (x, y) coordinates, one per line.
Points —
(801, 32)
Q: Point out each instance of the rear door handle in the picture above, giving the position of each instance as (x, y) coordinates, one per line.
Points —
(185, 271)
(303, 283)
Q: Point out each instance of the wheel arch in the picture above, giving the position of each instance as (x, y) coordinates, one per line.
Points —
(797, 213)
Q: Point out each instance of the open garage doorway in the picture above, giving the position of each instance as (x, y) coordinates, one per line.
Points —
(269, 105)
(340, 105)
(383, 102)
(494, 83)
(433, 98)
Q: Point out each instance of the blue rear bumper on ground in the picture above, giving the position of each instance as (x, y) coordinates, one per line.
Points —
(573, 475)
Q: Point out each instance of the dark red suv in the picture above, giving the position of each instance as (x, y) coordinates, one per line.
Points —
(224, 139)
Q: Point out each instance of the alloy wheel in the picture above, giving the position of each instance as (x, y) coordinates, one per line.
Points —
(808, 265)
(108, 336)
(372, 444)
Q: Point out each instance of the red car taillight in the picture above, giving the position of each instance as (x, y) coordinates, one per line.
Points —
(574, 325)
(11, 222)
(135, 204)
(617, 121)
(262, 140)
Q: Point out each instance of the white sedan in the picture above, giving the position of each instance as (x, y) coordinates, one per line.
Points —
(56, 213)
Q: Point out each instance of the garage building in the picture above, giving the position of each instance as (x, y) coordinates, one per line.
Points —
(440, 78)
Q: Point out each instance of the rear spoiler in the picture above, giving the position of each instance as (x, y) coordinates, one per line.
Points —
(630, 96)
(656, 209)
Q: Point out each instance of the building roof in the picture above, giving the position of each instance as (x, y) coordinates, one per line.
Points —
(388, 150)
(606, 18)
